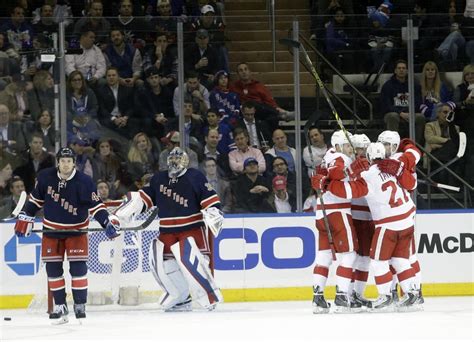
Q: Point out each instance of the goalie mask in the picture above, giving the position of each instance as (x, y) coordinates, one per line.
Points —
(177, 161)
(389, 138)
(375, 151)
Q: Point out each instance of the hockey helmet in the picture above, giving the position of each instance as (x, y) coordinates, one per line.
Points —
(360, 141)
(375, 151)
(390, 137)
(65, 152)
(177, 161)
(339, 138)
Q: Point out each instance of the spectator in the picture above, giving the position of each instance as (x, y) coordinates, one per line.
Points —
(171, 140)
(211, 151)
(106, 164)
(46, 24)
(6, 172)
(449, 49)
(394, 99)
(135, 28)
(81, 106)
(154, 104)
(18, 30)
(44, 125)
(12, 138)
(84, 153)
(142, 158)
(193, 136)
(464, 92)
(202, 58)
(164, 58)
(195, 92)
(8, 203)
(41, 96)
(125, 57)
(309, 205)
(221, 186)
(250, 89)
(243, 152)
(15, 98)
(281, 149)
(280, 199)
(103, 190)
(313, 154)
(215, 27)
(214, 121)
(61, 12)
(221, 98)
(91, 63)
(250, 190)
(116, 106)
(165, 23)
(280, 168)
(33, 161)
(259, 132)
(94, 22)
(433, 91)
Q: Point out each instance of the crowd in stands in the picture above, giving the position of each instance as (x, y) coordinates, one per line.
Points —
(122, 99)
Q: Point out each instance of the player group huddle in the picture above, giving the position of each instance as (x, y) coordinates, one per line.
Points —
(364, 214)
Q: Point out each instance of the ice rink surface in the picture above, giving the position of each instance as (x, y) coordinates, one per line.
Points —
(446, 319)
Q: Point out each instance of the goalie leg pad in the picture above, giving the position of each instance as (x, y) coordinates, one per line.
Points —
(196, 270)
(132, 206)
(169, 277)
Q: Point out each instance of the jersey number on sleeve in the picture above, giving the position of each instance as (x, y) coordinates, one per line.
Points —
(393, 190)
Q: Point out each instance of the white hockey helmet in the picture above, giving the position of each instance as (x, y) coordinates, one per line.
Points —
(390, 137)
(177, 161)
(339, 138)
(375, 151)
(360, 141)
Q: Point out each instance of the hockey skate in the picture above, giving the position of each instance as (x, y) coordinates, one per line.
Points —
(320, 306)
(357, 298)
(59, 314)
(184, 306)
(382, 304)
(394, 293)
(410, 302)
(80, 310)
(344, 304)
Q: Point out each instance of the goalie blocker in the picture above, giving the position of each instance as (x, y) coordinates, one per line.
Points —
(189, 207)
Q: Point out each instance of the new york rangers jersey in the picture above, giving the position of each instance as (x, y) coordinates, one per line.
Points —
(180, 200)
(67, 204)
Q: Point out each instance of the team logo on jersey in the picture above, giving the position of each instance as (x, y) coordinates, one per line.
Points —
(209, 186)
(95, 198)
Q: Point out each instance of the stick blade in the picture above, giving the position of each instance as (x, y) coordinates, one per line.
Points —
(20, 204)
(289, 42)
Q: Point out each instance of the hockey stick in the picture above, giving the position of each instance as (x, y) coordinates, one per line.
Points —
(327, 227)
(142, 226)
(439, 185)
(294, 44)
(19, 206)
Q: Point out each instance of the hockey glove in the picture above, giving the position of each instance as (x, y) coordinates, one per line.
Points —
(112, 228)
(405, 144)
(321, 170)
(391, 166)
(319, 182)
(359, 165)
(24, 225)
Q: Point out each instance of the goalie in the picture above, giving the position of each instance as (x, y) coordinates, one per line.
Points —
(179, 256)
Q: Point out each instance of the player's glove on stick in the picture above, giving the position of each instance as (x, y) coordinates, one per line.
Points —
(359, 165)
(321, 170)
(319, 182)
(24, 225)
(391, 166)
(112, 228)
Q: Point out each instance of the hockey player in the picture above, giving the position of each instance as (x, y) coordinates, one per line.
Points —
(364, 227)
(402, 157)
(393, 213)
(68, 197)
(339, 164)
(179, 257)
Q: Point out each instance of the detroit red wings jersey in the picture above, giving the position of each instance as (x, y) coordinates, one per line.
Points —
(390, 205)
(360, 209)
(336, 163)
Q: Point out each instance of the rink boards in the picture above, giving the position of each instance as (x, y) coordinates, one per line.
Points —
(257, 257)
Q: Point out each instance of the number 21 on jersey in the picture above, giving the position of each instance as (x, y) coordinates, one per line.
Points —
(394, 201)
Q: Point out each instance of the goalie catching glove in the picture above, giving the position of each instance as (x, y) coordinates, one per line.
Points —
(213, 219)
(24, 225)
(112, 228)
